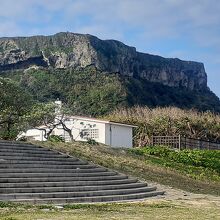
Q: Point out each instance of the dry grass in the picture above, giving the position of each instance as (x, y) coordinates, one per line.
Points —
(169, 121)
(130, 211)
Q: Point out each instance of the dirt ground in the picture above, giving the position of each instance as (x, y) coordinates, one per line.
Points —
(177, 195)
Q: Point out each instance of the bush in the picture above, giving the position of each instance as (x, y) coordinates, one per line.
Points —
(56, 138)
(92, 141)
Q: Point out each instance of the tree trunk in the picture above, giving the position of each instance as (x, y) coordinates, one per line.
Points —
(68, 130)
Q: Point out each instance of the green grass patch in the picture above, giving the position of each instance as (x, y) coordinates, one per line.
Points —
(198, 164)
(138, 211)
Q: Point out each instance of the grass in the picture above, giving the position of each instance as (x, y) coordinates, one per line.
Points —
(135, 211)
(198, 164)
(147, 168)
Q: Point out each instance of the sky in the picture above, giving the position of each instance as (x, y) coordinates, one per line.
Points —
(186, 29)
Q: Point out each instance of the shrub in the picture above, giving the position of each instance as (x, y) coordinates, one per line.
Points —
(92, 141)
(56, 138)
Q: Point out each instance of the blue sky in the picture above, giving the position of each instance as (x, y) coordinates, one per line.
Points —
(186, 29)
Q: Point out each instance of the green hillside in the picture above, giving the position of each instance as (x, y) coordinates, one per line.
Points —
(91, 92)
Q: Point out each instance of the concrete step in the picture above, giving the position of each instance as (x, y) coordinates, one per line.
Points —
(27, 150)
(61, 179)
(42, 162)
(45, 166)
(34, 174)
(11, 143)
(42, 175)
(18, 171)
(68, 184)
(37, 158)
(74, 188)
(108, 198)
(50, 155)
(21, 146)
(76, 194)
(24, 149)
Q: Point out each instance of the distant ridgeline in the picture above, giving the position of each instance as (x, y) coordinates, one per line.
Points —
(94, 76)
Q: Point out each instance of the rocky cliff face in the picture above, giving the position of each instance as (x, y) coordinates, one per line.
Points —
(64, 50)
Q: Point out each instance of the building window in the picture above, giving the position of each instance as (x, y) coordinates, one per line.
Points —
(89, 133)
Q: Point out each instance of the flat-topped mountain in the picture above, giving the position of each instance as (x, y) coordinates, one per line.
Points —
(93, 76)
(65, 50)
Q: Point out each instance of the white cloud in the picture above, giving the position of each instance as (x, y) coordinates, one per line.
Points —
(157, 18)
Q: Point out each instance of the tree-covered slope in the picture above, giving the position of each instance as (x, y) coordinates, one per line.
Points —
(89, 91)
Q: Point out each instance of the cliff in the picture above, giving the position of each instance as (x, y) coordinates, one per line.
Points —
(65, 50)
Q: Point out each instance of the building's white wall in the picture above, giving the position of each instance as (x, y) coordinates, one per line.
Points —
(110, 134)
(77, 125)
(118, 136)
(107, 134)
(34, 134)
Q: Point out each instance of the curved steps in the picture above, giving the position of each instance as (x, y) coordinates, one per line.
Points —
(34, 174)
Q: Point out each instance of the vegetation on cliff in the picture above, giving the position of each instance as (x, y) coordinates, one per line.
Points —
(91, 92)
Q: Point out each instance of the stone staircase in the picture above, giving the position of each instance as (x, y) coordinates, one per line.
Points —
(34, 174)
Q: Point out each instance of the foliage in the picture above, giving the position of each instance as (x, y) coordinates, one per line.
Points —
(41, 114)
(142, 92)
(91, 92)
(5, 204)
(47, 117)
(92, 142)
(56, 138)
(200, 158)
(14, 104)
(169, 121)
(85, 91)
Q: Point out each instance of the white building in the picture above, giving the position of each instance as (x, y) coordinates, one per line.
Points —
(83, 129)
